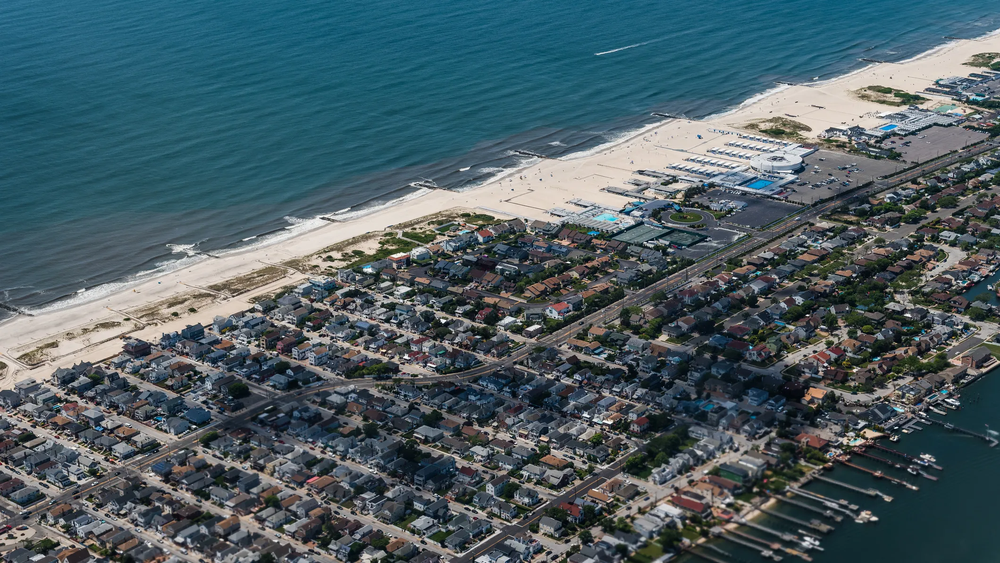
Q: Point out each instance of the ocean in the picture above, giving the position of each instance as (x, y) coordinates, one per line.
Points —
(137, 134)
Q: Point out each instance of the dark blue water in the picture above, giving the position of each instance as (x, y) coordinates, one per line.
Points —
(130, 126)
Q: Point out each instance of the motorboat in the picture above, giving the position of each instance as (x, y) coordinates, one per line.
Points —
(894, 438)
(928, 457)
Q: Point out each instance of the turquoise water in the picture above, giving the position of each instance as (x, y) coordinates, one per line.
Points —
(137, 133)
(606, 217)
(759, 184)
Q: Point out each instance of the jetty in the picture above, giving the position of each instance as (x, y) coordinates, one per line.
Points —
(807, 506)
(15, 310)
(988, 439)
(879, 475)
(904, 455)
(814, 524)
(530, 154)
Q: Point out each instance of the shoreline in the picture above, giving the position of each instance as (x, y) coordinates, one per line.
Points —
(525, 192)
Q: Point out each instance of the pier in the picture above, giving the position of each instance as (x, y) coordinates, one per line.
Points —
(765, 552)
(879, 475)
(871, 491)
(905, 456)
(807, 506)
(762, 528)
(861, 452)
(823, 499)
(814, 524)
(708, 557)
(775, 546)
(988, 439)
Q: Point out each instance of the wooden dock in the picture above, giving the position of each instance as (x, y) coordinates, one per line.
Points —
(814, 524)
(903, 455)
(988, 439)
(879, 475)
(806, 506)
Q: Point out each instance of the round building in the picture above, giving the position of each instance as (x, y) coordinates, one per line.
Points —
(777, 163)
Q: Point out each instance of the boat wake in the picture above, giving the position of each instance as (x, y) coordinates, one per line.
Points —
(627, 47)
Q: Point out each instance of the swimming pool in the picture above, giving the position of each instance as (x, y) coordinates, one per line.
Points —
(606, 217)
(888, 127)
(759, 184)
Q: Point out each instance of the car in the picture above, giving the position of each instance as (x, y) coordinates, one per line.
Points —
(22, 527)
(117, 473)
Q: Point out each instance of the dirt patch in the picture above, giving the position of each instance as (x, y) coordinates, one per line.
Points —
(176, 306)
(38, 354)
(253, 280)
(888, 96)
(779, 128)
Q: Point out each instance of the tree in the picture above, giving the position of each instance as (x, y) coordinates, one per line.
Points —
(596, 439)
(432, 418)
(282, 367)
(635, 463)
(272, 501)
(239, 390)
(370, 429)
(586, 537)
(209, 438)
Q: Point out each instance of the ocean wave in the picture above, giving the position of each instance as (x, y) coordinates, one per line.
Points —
(98, 292)
(613, 139)
(188, 249)
(748, 102)
(352, 213)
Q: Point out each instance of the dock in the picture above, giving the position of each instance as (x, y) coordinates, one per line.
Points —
(824, 499)
(871, 491)
(905, 456)
(765, 552)
(806, 506)
(861, 452)
(775, 546)
(926, 475)
(785, 536)
(988, 439)
(879, 475)
(814, 524)
(708, 557)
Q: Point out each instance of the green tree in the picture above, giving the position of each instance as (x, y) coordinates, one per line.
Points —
(586, 537)
(432, 418)
(272, 501)
(239, 390)
(209, 438)
(370, 429)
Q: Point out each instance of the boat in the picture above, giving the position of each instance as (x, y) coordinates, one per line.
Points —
(894, 438)
(936, 410)
(928, 457)
(953, 402)
(878, 474)
(950, 406)
(912, 470)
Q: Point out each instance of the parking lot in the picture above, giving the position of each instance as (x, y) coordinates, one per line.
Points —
(759, 211)
(933, 142)
(827, 171)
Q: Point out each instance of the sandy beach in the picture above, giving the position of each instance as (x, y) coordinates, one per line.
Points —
(527, 193)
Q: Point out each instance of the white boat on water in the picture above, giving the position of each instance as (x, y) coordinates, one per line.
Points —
(936, 410)
(953, 402)
(928, 457)
(894, 438)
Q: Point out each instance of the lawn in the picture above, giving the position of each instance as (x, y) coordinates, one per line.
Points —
(993, 348)
(650, 553)
(440, 536)
(680, 217)
(405, 522)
